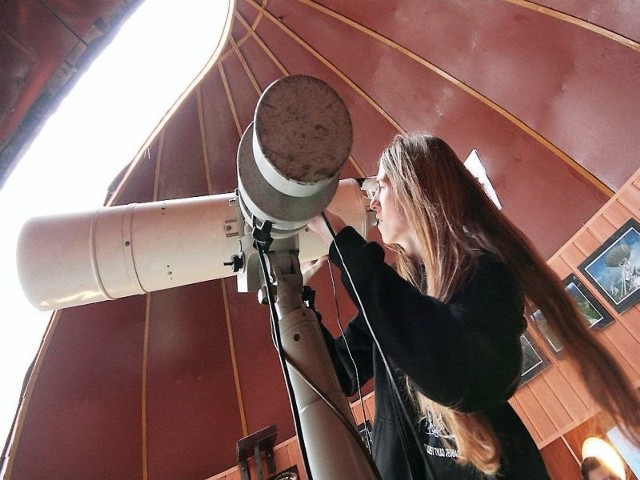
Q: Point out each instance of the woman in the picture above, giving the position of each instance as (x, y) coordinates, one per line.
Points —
(449, 318)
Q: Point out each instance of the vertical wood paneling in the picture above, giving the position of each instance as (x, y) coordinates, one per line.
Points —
(515, 404)
(550, 401)
(617, 345)
(586, 242)
(566, 394)
(356, 410)
(296, 458)
(370, 404)
(572, 254)
(632, 321)
(601, 227)
(560, 266)
(618, 212)
(536, 412)
(572, 376)
(626, 342)
(631, 197)
(572, 404)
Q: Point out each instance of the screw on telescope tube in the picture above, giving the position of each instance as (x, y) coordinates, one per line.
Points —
(236, 263)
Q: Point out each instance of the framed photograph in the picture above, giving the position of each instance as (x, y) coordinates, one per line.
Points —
(614, 268)
(592, 310)
(534, 360)
(594, 314)
(549, 335)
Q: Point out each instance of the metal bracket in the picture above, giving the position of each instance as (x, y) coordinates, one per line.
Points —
(251, 446)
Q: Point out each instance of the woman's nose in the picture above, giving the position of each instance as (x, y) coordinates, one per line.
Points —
(374, 204)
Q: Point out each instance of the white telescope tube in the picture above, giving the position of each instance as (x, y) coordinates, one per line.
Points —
(113, 252)
(79, 258)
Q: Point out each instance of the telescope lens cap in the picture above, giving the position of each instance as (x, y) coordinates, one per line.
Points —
(303, 131)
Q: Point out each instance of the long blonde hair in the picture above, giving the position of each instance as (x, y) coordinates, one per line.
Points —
(454, 221)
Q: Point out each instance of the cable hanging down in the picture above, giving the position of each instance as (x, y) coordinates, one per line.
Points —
(385, 361)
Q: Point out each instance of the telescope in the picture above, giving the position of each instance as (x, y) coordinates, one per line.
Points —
(288, 165)
(288, 172)
(72, 259)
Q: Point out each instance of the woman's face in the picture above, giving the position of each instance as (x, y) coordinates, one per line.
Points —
(392, 224)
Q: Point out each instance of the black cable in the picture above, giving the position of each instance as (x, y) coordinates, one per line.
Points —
(353, 361)
(385, 361)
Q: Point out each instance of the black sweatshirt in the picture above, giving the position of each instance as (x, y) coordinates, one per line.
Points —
(464, 353)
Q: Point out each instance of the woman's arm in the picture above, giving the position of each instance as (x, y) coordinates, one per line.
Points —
(352, 356)
(464, 354)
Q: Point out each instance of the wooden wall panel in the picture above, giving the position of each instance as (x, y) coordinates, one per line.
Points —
(586, 242)
(572, 254)
(369, 408)
(633, 323)
(564, 390)
(561, 267)
(618, 212)
(536, 413)
(523, 415)
(631, 195)
(601, 227)
(558, 394)
(551, 403)
(573, 378)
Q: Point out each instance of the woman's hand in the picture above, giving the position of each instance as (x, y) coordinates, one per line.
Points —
(310, 268)
(318, 226)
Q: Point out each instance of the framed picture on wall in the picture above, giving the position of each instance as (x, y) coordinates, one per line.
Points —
(614, 268)
(534, 360)
(592, 310)
(549, 335)
(594, 314)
